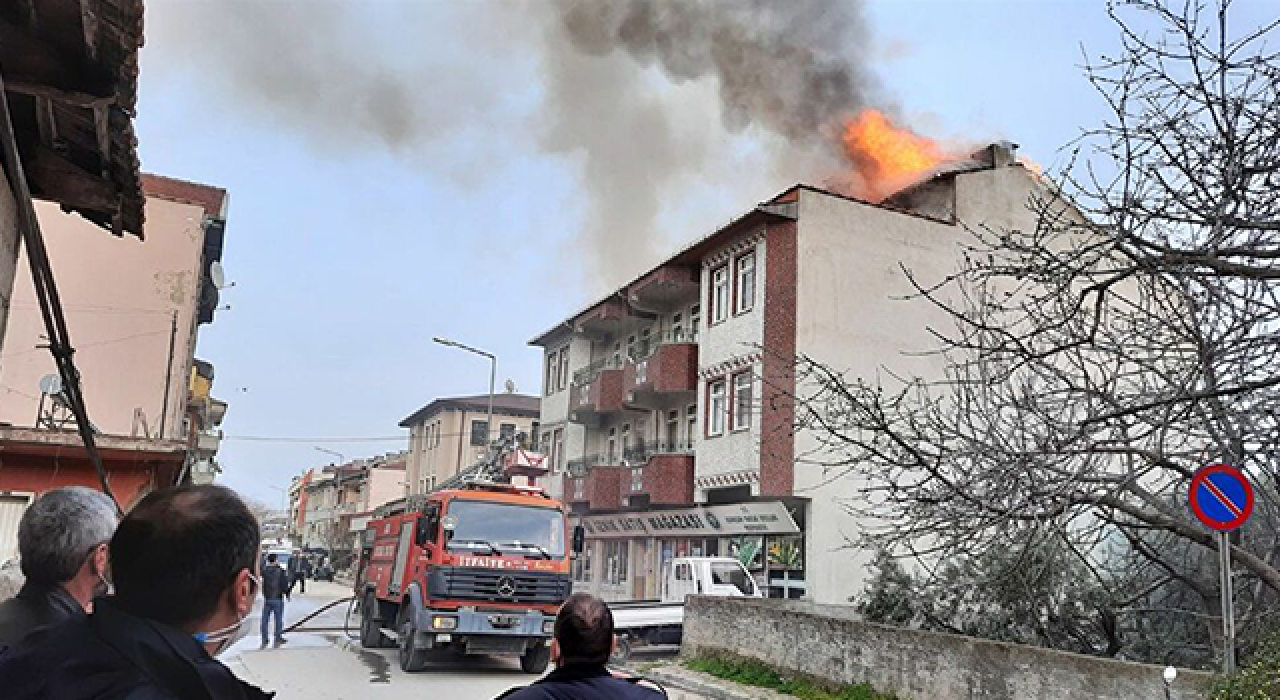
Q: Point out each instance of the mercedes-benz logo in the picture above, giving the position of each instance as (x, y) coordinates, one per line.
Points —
(506, 587)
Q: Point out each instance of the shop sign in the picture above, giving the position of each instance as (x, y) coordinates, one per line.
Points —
(757, 518)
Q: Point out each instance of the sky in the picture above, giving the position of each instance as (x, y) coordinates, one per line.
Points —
(404, 170)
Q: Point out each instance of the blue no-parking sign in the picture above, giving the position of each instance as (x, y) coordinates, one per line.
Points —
(1221, 497)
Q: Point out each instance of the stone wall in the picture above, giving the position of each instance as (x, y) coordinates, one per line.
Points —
(831, 643)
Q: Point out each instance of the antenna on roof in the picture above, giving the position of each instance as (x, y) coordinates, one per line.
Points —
(510, 386)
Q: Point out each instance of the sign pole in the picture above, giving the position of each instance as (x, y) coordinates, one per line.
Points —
(1228, 604)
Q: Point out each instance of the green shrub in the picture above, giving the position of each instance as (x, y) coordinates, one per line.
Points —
(760, 675)
(1259, 680)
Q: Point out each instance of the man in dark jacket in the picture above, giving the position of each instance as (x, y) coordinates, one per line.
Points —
(62, 546)
(299, 569)
(183, 565)
(580, 648)
(275, 588)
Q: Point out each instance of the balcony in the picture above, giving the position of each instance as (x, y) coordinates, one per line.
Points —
(665, 366)
(596, 389)
(665, 286)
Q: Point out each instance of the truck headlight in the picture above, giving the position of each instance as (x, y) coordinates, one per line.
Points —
(548, 626)
(441, 622)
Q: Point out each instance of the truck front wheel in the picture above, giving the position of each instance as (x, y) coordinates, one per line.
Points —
(535, 660)
(412, 659)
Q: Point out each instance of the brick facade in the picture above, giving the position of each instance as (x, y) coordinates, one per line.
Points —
(777, 413)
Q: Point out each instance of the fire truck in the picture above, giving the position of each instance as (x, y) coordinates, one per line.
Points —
(477, 566)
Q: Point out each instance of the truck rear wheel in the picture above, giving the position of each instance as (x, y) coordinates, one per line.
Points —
(412, 659)
(370, 628)
(535, 660)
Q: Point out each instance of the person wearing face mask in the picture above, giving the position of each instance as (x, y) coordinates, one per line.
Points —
(62, 547)
(184, 564)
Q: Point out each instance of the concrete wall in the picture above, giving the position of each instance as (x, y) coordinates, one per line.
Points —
(118, 295)
(831, 644)
(384, 485)
(10, 244)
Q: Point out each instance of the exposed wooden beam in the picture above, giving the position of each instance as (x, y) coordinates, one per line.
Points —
(74, 99)
(29, 58)
(57, 179)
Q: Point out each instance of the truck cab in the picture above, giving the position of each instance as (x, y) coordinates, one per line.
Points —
(481, 569)
(713, 576)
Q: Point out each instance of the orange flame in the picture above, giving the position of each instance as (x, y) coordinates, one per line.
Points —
(886, 157)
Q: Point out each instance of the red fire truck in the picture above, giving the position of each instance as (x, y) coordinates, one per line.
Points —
(480, 567)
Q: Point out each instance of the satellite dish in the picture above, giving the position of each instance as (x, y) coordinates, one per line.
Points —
(510, 386)
(217, 275)
(51, 384)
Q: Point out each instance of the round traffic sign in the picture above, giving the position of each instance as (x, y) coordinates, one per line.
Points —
(1221, 497)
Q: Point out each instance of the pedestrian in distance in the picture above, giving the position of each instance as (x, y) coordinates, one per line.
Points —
(184, 564)
(62, 548)
(296, 573)
(580, 647)
(275, 588)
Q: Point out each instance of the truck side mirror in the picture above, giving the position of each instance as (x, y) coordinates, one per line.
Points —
(579, 539)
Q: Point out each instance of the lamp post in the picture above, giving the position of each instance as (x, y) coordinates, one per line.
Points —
(493, 375)
(341, 458)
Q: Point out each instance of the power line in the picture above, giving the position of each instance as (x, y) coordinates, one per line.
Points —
(89, 345)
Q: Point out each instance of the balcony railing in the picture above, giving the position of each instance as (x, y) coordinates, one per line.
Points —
(593, 370)
(645, 347)
(637, 454)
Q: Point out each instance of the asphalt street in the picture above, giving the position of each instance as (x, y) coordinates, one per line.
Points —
(320, 661)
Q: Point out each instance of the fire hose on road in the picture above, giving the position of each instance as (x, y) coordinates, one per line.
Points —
(346, 622)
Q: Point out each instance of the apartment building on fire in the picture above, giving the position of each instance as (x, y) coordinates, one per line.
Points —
(667, 414)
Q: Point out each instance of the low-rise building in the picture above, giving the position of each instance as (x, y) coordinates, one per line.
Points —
(668, 411)
(340, 499)
(449, 434)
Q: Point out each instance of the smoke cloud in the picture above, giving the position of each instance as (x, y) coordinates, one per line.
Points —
(648, 101)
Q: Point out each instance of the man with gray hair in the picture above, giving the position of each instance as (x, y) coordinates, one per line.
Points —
(62, 545)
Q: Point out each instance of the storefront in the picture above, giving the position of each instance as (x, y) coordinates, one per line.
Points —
(627, 554)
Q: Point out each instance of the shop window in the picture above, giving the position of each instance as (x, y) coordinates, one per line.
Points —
(615, 562)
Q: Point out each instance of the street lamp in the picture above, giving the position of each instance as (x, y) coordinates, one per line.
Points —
(341, 458)
(493, 375)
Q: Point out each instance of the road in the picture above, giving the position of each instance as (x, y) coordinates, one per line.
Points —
(319, 665)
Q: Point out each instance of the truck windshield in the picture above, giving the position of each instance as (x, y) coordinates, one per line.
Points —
(509, 529)
(727, 573)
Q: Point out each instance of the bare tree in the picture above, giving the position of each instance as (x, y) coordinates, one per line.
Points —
(1095, 362)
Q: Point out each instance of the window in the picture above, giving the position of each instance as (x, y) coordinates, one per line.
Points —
(582, 565)
(437, 431)
(558, 450)
(626, 437)
(547, 446)
(631, 347)
(552, 375)
(683, 573)
(715, 407)
(615, 561)
(579, 489)
(564, 368)
(611, 447)
(617, 353)
(506, 431)
(637, 478)
(677, 327)
(691, 423)
(673, 429)
(645, 346)
(720, 294)
(742, 405)
(695, 318)
(746, 280)
(479, 432)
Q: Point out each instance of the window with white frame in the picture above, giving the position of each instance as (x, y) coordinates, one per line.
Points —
(558, 448)
(746, 280)
(637, 478)
(549, 387)
(611, 447)
(626, 438)
(564, 369)
(615, 557)
(742, 404)
(695, 318)
(677, 327)
(673, 429)
(720, 294)
(691, 423)
(715, 407)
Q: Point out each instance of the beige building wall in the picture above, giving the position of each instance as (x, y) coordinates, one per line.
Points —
(434, 460)
(120, 296)
(385, 485)
(852, 314)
